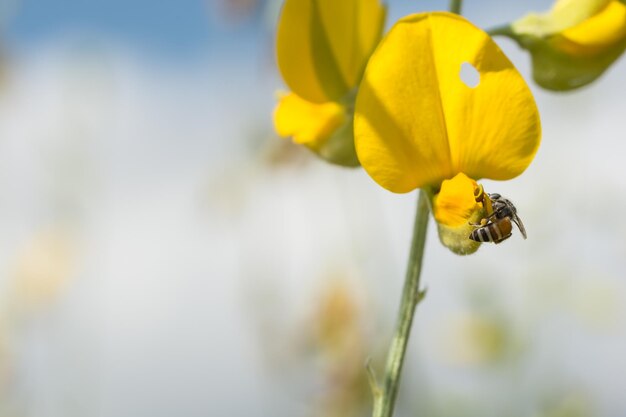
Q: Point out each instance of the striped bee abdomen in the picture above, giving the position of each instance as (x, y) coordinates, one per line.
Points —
(495, 231)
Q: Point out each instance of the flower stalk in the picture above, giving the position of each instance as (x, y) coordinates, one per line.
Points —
(402, 149)
(385, 397)
(455, 6)
(500, 31)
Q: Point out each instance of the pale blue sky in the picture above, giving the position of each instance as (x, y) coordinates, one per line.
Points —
(189, 26)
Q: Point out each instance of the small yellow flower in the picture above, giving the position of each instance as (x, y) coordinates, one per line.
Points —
(574, 43)
(322, 48)
(418, 124)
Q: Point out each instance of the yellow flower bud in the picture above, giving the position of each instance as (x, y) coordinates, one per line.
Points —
(574, 43)
(322, 47)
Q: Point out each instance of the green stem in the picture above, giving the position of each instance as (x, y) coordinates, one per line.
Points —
(500, 31)
(385, 398)
(455, 6)
(507, 31)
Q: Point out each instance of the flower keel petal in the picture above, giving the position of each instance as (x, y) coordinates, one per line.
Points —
(310, 124)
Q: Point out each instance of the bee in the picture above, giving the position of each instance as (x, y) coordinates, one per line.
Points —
(497, 226)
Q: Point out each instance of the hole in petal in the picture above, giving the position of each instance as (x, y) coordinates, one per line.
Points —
(469, 75)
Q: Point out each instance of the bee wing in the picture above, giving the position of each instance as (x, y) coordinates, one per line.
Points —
(520, 225)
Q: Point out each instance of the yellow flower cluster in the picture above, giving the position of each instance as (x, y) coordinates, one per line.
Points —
(400, 107)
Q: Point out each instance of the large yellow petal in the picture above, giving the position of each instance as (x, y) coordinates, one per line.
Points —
(309, 124)
(323, 45)
(418, 123)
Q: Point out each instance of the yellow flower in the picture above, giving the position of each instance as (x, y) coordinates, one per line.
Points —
(574, 43)
(418, 124)
(322, 48)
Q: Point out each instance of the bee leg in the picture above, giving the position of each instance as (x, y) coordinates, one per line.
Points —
(483, 221)
(503, 239)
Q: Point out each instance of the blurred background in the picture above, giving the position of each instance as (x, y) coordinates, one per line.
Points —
(163, 253)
